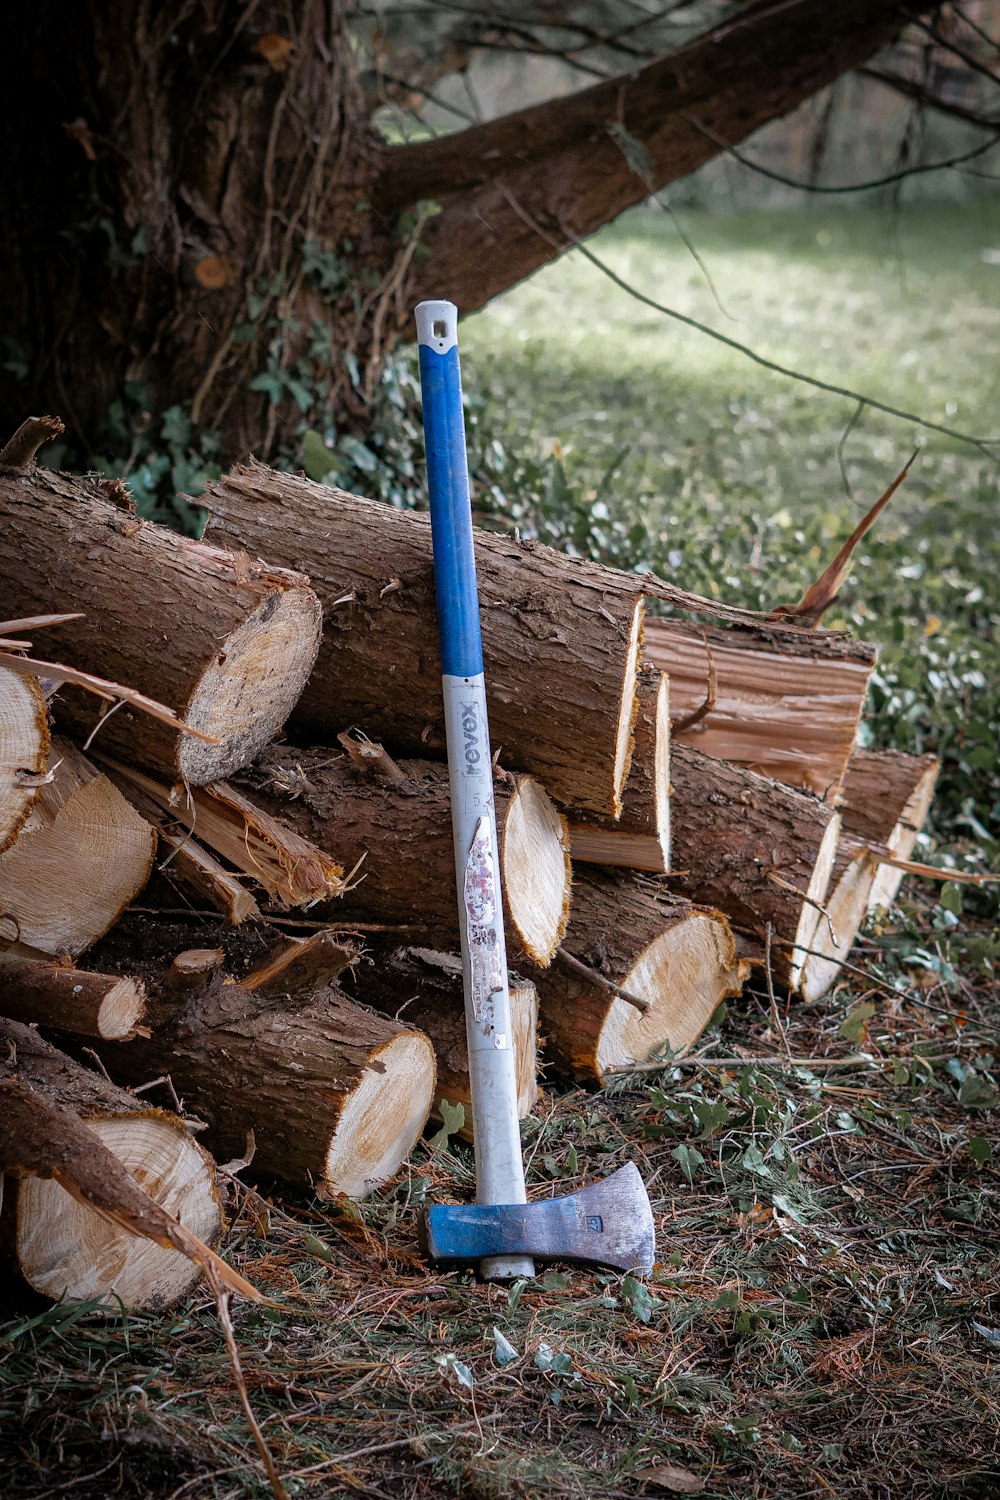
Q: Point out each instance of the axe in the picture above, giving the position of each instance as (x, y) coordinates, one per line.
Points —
(609, 1223)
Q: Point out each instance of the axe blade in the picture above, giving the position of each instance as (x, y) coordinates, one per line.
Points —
(609, 1223)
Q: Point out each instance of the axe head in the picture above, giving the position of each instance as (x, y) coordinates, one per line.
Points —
(609, 1223)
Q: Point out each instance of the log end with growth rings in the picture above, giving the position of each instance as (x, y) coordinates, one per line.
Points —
(247, 693)
(627, 708)
(66, 1250)
(24, 744)
(382, 1117)
(814, 912)
(682, 975)
(844, 909)
(536, 871)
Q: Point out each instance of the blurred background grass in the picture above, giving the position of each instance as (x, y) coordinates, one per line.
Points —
(607, 428)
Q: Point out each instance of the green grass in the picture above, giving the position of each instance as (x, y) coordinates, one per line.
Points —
(726, 476)
(824, 1320)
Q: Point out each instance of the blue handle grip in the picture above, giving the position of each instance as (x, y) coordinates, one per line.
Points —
(448, 483)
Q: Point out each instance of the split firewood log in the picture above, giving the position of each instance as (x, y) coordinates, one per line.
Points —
(108, 1006)
(640, 838)
(640, 970)
(226, 642)
(425, 988)
(81, 857)
(65, 1247)
(395, 833)
(761, 851)
(560, 635)
(884, 800)
(24, 746)
(334, 1094)
(782, 701)
(266, 850)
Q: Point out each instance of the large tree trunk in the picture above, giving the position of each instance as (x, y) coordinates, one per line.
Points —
(59, 1244)
(396, 838)
(225, 642)
(200, 217)
(630, 935)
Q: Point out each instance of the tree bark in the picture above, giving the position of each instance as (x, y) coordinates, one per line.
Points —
(82, 857)
(761, 851)
(108, 1006)
(59, 1244)
(397, 841)
(560, 636)
(333, 1094)
(517, 192)
(640, 838)
(677, 958)
(226, 643)
(203, 224)
(24, 745)
(425, 988)
(785, 703)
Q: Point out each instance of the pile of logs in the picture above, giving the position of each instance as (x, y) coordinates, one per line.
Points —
(249, 920)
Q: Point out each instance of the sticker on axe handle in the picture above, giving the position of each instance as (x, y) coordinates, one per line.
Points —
(480, 877)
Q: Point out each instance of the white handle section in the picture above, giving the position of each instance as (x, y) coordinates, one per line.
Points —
(499, 1166)
(437, 325)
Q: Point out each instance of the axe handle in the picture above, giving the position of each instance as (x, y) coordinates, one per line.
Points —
(499, 1167)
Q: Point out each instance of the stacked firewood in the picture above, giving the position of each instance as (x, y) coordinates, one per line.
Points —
(677, 804)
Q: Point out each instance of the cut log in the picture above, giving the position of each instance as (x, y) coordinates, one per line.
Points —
(82, 856)
(24, 746)
(761, 851)
(186, 862)
(560, 636)
(425, 988)
(108, 1006)
(63, 1247)
(266, 850)
(398, 838)
(787, 702)
(640, 838)
(677, 959)
(885, 798)
(225, 642)
(334, 1094)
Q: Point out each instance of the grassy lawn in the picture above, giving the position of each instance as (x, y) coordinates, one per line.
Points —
(824, 1320)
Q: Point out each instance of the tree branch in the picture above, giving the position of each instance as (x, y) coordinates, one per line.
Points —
(564, 161)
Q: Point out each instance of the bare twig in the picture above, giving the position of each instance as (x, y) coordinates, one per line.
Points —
(586, 972)
(702, 712)
(33, 432)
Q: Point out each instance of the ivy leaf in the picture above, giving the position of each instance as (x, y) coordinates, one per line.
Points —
(978, 1092)
(452, 1121)
(505, 1353)
(317, 460)
(855, 1024)
(980, 1150)
(688, 1159)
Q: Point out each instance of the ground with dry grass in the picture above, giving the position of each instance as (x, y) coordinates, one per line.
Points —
(824, 1318)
